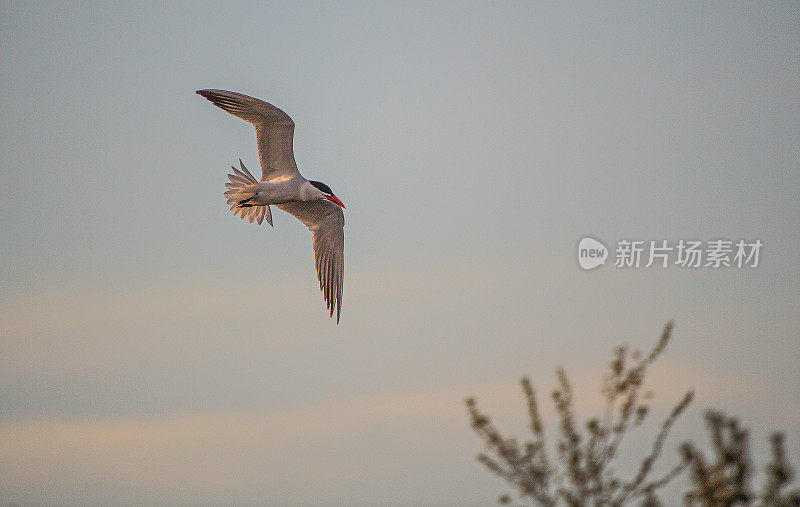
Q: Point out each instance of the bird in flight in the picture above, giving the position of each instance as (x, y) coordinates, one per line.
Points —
(282, 185)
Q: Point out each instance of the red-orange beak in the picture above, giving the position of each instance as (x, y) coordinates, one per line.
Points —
(334, 199)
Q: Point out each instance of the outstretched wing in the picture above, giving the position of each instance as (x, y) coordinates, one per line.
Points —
(274, 130)
(325, 220)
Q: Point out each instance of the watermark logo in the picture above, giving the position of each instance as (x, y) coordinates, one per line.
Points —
(629, 253)
(591, 253)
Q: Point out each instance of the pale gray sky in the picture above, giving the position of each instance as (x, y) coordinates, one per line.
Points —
(158, 350)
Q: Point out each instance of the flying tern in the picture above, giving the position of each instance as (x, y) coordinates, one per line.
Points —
(282, 185)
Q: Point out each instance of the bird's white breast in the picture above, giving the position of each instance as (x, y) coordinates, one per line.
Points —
(280, 191)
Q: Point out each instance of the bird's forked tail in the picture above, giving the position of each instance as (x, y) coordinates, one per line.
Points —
(240, 191)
